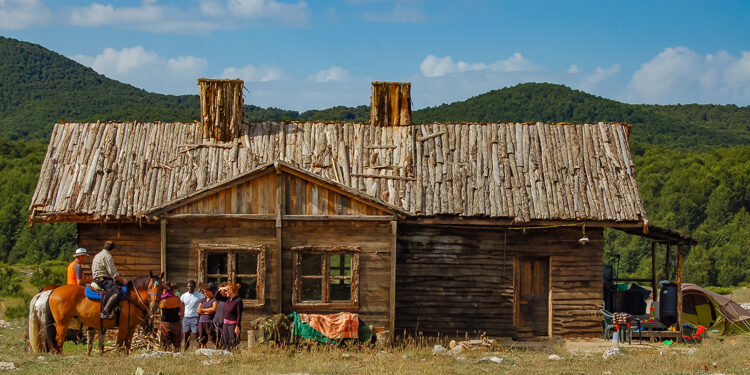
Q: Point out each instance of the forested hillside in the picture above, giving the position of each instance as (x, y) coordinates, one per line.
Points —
(693, 161)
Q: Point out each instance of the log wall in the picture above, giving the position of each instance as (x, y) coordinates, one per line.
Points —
(374, 238)
(454, 280)
(185, 235)
(137, 247)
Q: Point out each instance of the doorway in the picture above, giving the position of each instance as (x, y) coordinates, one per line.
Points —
(531, 286)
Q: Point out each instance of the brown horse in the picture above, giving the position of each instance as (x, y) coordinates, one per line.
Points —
(142, 299)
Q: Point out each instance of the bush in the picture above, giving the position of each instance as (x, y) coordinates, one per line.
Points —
(10, 281)
(49, 272)
(17, 312)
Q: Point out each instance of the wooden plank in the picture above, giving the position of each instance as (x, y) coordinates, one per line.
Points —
(392, 304)
(679, 287)
(163, 247)
(279, 240)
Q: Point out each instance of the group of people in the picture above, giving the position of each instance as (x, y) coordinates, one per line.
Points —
(214, 314)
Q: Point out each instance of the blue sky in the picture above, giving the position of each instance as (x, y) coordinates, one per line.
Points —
(311, 54)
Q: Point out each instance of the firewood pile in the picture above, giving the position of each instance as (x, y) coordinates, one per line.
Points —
(144, 341)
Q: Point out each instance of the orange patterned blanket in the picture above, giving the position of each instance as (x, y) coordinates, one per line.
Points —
(334, 326)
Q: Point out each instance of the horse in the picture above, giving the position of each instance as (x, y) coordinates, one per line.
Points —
(69, 301)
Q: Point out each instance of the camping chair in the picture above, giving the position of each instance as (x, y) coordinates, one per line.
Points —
(692, 334)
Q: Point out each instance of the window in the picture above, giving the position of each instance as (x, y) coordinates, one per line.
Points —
(244, 265)
(326, 277)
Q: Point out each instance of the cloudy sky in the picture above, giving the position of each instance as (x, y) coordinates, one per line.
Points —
(297, 54)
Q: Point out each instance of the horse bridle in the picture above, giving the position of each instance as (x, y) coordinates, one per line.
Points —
(143, 306)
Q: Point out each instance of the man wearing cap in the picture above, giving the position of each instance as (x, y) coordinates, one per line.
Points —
(75, 268)
(106, 276)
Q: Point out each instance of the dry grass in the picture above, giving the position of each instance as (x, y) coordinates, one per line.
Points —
(716, 355)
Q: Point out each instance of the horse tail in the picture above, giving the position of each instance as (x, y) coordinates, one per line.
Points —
(49, 326)
(33, 326)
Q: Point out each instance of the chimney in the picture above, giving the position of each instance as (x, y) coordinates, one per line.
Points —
(390, 104)
(222, 110)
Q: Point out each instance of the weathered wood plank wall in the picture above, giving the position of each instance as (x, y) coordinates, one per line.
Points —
(375, 260)
(185, 235)
(136, 251)
(453, 280)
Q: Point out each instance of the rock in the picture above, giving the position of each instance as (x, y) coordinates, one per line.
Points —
(7, 366)
(139, 371)
(456, 350)
(461, 358)
(212, 352)
(611, 352)
(554, 357)
(691, 351)
(492, 359)
(155, 354)
(3, 324)
(607, 372)
(41, 358)
(437, 349)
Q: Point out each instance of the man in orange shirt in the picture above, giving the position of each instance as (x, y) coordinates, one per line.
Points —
(75, 268)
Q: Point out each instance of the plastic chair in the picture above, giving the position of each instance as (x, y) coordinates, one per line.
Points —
(608, 323)
(625, 333)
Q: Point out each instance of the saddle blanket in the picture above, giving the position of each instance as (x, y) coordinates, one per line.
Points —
(97, 296)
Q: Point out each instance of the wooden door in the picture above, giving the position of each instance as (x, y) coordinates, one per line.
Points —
(531, 296)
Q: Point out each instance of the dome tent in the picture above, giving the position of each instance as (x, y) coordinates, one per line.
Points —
(714, 311)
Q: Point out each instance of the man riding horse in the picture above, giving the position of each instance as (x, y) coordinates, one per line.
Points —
(106, 276)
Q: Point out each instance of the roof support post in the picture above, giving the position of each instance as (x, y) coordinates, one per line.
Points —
(279, 224)
(666, 263)
(163, 250)
(655, 295)
(679, 287)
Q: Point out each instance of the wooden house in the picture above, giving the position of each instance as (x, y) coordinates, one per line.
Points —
(434, 228)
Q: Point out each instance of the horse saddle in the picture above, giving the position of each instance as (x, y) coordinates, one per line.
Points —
(95, 293)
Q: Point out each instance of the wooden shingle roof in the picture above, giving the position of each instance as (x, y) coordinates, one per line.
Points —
(524, 172)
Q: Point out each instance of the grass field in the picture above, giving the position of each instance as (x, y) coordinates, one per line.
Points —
(716, 355)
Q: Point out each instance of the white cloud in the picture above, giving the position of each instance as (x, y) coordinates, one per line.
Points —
(681, 75)
(433, 66)
(402, 12)
(148, 17)
(251, 73)
(147, 70)
(598, 76)
(291, 14)
(334, 73)
(22, 14)
(573, 69)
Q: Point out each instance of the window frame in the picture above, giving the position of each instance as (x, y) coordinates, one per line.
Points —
(232, 275)
(325, 303)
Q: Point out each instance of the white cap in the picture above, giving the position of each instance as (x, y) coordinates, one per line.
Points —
(80, 251)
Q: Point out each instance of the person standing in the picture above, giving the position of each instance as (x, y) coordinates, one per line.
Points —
(206, 312)
(106, 276)
(219, 315)
(75, 274)
(230, 334)
(191, 299)
(170, 327)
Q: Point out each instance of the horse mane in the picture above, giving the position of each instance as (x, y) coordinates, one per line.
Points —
(140, 283)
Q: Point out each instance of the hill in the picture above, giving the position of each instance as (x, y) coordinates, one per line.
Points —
(693, 161)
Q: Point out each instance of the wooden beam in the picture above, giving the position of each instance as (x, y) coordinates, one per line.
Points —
(339, 217)
(679, 287)
(279, 236)
(222, 216)
(163, 250)
(654, 290)
(392, 317)
(506, 222)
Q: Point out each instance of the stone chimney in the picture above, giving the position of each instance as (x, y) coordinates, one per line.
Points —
(222, 110)
(390, 104)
